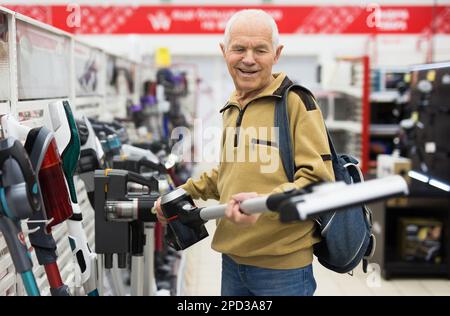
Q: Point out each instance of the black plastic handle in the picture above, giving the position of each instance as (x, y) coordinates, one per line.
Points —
(151, 183)
(275, 200)
(154, 166)
(12, 148)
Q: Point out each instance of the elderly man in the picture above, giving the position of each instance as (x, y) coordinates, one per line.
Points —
(262, 256)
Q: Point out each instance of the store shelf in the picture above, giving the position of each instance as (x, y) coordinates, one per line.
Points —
(388, 253)
(33, 105)
(344, 125)
(384, 129)
(3, 245)
(83, 100)
(7, 283)
(90, 106)
(353, 91)
(383, 96)
(5, 262)
(414, 268)
(34, 122)
(373, 163)
(4, 107)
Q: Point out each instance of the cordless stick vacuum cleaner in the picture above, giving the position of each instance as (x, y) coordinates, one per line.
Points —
(186, 221)
(60, 119)
(113, 127)
(139, 163)
(97, 151)
(109, 140)
(169, 160)
(91, 156)
(140, 160)
(41, 148)
(20, 199)
(119, 212)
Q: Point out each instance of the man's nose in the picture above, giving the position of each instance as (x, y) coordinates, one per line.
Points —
(248, 58)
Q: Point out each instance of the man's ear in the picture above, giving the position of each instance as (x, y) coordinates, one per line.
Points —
(278, 53)
(222, 48)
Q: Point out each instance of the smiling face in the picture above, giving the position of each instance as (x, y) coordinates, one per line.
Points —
(250, 55)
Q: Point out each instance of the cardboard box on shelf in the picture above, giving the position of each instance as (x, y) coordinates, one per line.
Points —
(420, 239)
(388, 165)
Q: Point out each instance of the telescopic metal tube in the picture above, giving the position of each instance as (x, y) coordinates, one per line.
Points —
(331, 196)
(251, 206)
(121, 210)
(149, 250)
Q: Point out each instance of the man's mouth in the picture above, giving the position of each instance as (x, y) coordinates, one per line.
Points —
(247, 73)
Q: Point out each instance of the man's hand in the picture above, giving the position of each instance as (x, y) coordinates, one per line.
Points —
(159, 213)
(233, 212)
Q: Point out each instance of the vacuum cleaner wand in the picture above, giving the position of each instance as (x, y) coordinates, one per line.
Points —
(186, 221)
(20, 199)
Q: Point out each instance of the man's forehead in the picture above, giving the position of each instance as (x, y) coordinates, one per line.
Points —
(251, 27)
(247, 34)
(243, 40)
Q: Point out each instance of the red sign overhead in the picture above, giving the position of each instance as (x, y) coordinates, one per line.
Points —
(80, 19)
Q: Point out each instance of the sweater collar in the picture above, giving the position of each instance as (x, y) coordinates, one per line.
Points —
(275, 89)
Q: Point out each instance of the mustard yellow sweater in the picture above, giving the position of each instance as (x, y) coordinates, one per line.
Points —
(250, 162)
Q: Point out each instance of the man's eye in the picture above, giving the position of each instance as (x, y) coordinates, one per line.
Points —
(261, 51)
(238, 49)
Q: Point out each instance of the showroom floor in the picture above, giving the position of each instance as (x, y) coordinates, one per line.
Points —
(203, 268)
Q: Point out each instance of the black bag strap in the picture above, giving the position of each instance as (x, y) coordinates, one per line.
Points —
(281, 120)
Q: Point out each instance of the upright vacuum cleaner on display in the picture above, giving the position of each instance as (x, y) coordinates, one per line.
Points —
(91, 156)
(20, 200)
(110, 141)
(60, 118)
(119, 219)
(139, 162)
(42, 150)
(143, 161)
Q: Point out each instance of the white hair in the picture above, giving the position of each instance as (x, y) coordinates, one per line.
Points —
(248, 13)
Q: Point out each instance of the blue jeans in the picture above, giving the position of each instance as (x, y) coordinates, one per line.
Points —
(244, 280)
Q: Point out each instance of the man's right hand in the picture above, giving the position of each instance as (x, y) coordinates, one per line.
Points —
(159, 213)
(235, 215)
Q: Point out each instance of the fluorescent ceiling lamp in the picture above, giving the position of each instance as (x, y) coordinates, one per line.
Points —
(418, 176)
(440, 185)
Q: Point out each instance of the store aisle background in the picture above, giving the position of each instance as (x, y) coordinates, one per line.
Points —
(202, 273)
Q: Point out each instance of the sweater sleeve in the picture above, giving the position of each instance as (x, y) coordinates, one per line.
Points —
(310, 144)
(205, 187)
